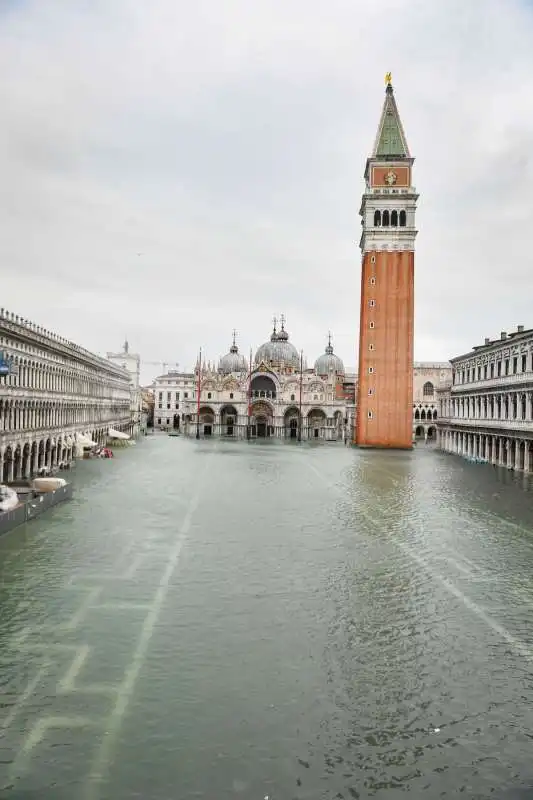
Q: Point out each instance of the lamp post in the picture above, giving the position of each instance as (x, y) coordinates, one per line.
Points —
(198, 395)
(301, 387)
(248, 432)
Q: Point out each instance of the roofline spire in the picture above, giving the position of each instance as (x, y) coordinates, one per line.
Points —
(390, 109)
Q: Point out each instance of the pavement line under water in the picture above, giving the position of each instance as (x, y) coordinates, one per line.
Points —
(100, 767)
(517, 645)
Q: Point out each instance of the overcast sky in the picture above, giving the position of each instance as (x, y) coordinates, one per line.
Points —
(171, 170)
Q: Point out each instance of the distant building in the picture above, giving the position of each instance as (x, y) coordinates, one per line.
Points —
(131, 362)
(487, 407)
(428, 377)
(147, 397)
(174, 398)
(271, 393)
(280, 398)
(55, 399)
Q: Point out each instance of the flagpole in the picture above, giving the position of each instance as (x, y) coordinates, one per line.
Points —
(198, 398)
(249, 397)
(301, 382)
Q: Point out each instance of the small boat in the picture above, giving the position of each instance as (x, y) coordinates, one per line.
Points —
(9, 499)
(25, 500)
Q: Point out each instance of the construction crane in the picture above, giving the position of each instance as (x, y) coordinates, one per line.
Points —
(163, 364)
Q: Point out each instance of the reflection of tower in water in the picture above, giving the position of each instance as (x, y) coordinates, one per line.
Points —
(375, 657)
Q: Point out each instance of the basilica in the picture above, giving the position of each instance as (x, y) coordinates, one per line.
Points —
(277, 395)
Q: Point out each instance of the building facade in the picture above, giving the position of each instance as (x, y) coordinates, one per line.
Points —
(428, 378)
(386, 330)
(174, 398)
(131, 362)
(176, 403)
(278, 398)
(53, 395)
(487, 408)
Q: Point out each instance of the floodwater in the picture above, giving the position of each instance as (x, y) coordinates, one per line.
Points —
(255, 619)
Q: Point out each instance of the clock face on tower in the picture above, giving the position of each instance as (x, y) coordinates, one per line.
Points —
(391, 178)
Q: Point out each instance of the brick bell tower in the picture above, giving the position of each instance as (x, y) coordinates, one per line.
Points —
(384, 413)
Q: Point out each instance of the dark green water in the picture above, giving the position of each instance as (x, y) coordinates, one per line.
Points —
(230, 620)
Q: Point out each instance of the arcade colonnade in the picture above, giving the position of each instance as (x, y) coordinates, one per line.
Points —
(230, 420)
(502, 449)
(55, 393)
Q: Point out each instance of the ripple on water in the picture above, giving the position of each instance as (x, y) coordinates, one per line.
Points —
(309, 645)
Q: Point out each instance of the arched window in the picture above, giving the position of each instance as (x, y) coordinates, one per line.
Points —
(417, 414)
(422, 414)
(394, 219)
(377, 218)
(428, 389)
(435, 414)
(403, 219)
(385, 219)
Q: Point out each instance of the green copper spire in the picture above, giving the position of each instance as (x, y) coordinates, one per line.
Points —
(390, 140)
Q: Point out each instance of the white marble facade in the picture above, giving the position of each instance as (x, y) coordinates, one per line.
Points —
(428, 376)
(266, 402)
(55, 393)
(487, 407)
(131, 362)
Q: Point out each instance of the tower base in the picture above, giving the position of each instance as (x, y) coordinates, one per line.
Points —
(403, 447)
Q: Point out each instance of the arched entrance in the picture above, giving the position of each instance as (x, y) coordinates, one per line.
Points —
(207, 420)
(228, 420)
(176, 422)
(316, 422)
(337, 421)
(17, 459)
(291, 420)
(432, 432)
(7, 465)
(26, 464)
(263, 386)
(33, 458)
(419, 432)
(261, 420)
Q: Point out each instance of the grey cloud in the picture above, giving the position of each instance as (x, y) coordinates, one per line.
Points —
(226, 142)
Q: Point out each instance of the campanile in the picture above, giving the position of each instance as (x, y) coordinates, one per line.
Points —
(384, 413)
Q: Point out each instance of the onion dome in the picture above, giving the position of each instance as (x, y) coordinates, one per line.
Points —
(329, 362)
(278, 350)
(232, 361)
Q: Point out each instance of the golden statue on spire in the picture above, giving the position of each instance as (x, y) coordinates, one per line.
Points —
(388, 78)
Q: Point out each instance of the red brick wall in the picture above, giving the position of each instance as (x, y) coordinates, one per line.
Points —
(392, 357)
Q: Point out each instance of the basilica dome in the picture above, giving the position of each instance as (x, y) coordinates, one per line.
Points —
(329, 362)
(278, 350)
(232, 361)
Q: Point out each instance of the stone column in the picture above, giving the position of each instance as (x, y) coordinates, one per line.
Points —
(517, 444)
(509, 462)
(27, 471)
(35, 465)
(526, 456)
